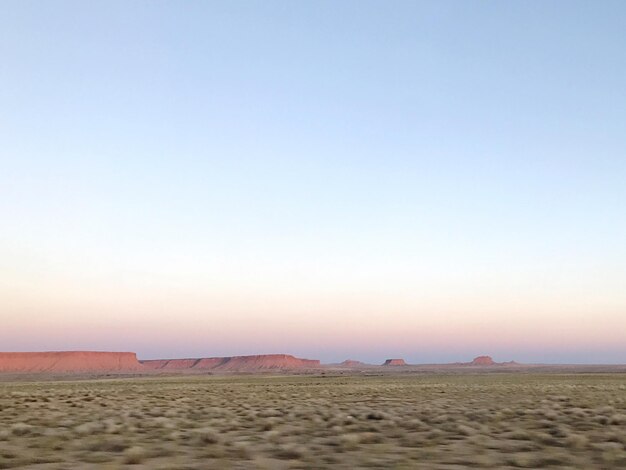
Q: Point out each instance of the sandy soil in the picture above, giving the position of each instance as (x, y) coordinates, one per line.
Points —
(406, 420)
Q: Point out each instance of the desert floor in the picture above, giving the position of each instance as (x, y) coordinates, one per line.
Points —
(428, 421)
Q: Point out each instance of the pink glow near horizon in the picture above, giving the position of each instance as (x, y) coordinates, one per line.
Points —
(318, 329)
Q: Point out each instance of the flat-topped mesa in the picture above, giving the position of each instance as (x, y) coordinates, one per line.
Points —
(235, 363)
(483, 361)
(267, 361)
(69, 361)
(395, 362)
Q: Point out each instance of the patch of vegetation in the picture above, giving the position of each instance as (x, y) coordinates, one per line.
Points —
(392, 421)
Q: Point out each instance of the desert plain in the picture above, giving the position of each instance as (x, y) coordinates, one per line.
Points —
(336, 417)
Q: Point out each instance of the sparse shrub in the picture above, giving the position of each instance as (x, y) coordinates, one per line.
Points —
(576, 441)
(107, 445)
(269, 423)
(349, 441)
(336, 430)
(482, 460)
(606, 410)
(618, 419)
(545, 439)
(415, 424)
(21, 429)
(96, 457)
(349, 419)
(611, 451)
(240, 450)
(88, 428)
(550, 414)
(518, 435)
(272, 436)
(465, 430)
(290, 451)
(601, 419)
(479, 440)
(269, 413)
(435, 434)
(134, 455)
(370, 438)
(558, 431)
(163, 422)
(207, 436)
(523, 460)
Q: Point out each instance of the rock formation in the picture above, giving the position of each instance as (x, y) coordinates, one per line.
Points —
(171, 364)
(69, 361)
(487, 361)
(88, 361)
(483, 361)
(395, 362)
(234, 363)
(352, 363)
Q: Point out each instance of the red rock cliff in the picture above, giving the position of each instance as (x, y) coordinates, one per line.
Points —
(235, 363)
(170, 364)
(69, 361)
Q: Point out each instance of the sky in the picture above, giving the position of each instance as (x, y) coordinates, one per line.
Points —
(431, 180)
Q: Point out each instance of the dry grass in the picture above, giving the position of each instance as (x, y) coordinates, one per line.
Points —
(427, 421)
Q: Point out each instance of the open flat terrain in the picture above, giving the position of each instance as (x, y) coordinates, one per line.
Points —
(430, 421)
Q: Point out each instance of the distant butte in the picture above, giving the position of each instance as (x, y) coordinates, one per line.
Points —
(395, 362)
(483, 361)
(351, 363)
(487, 361)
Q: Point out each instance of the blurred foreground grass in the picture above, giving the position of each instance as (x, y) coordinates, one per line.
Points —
(415, 421)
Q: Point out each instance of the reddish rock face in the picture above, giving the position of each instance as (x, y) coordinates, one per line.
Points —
(69, 361)
(170, 364)
(395, 362)
(235, 363)
(482, 361)
(211, 362)
(89, 361)
(266, 361)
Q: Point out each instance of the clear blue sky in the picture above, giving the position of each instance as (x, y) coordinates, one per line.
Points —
(433, 180)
